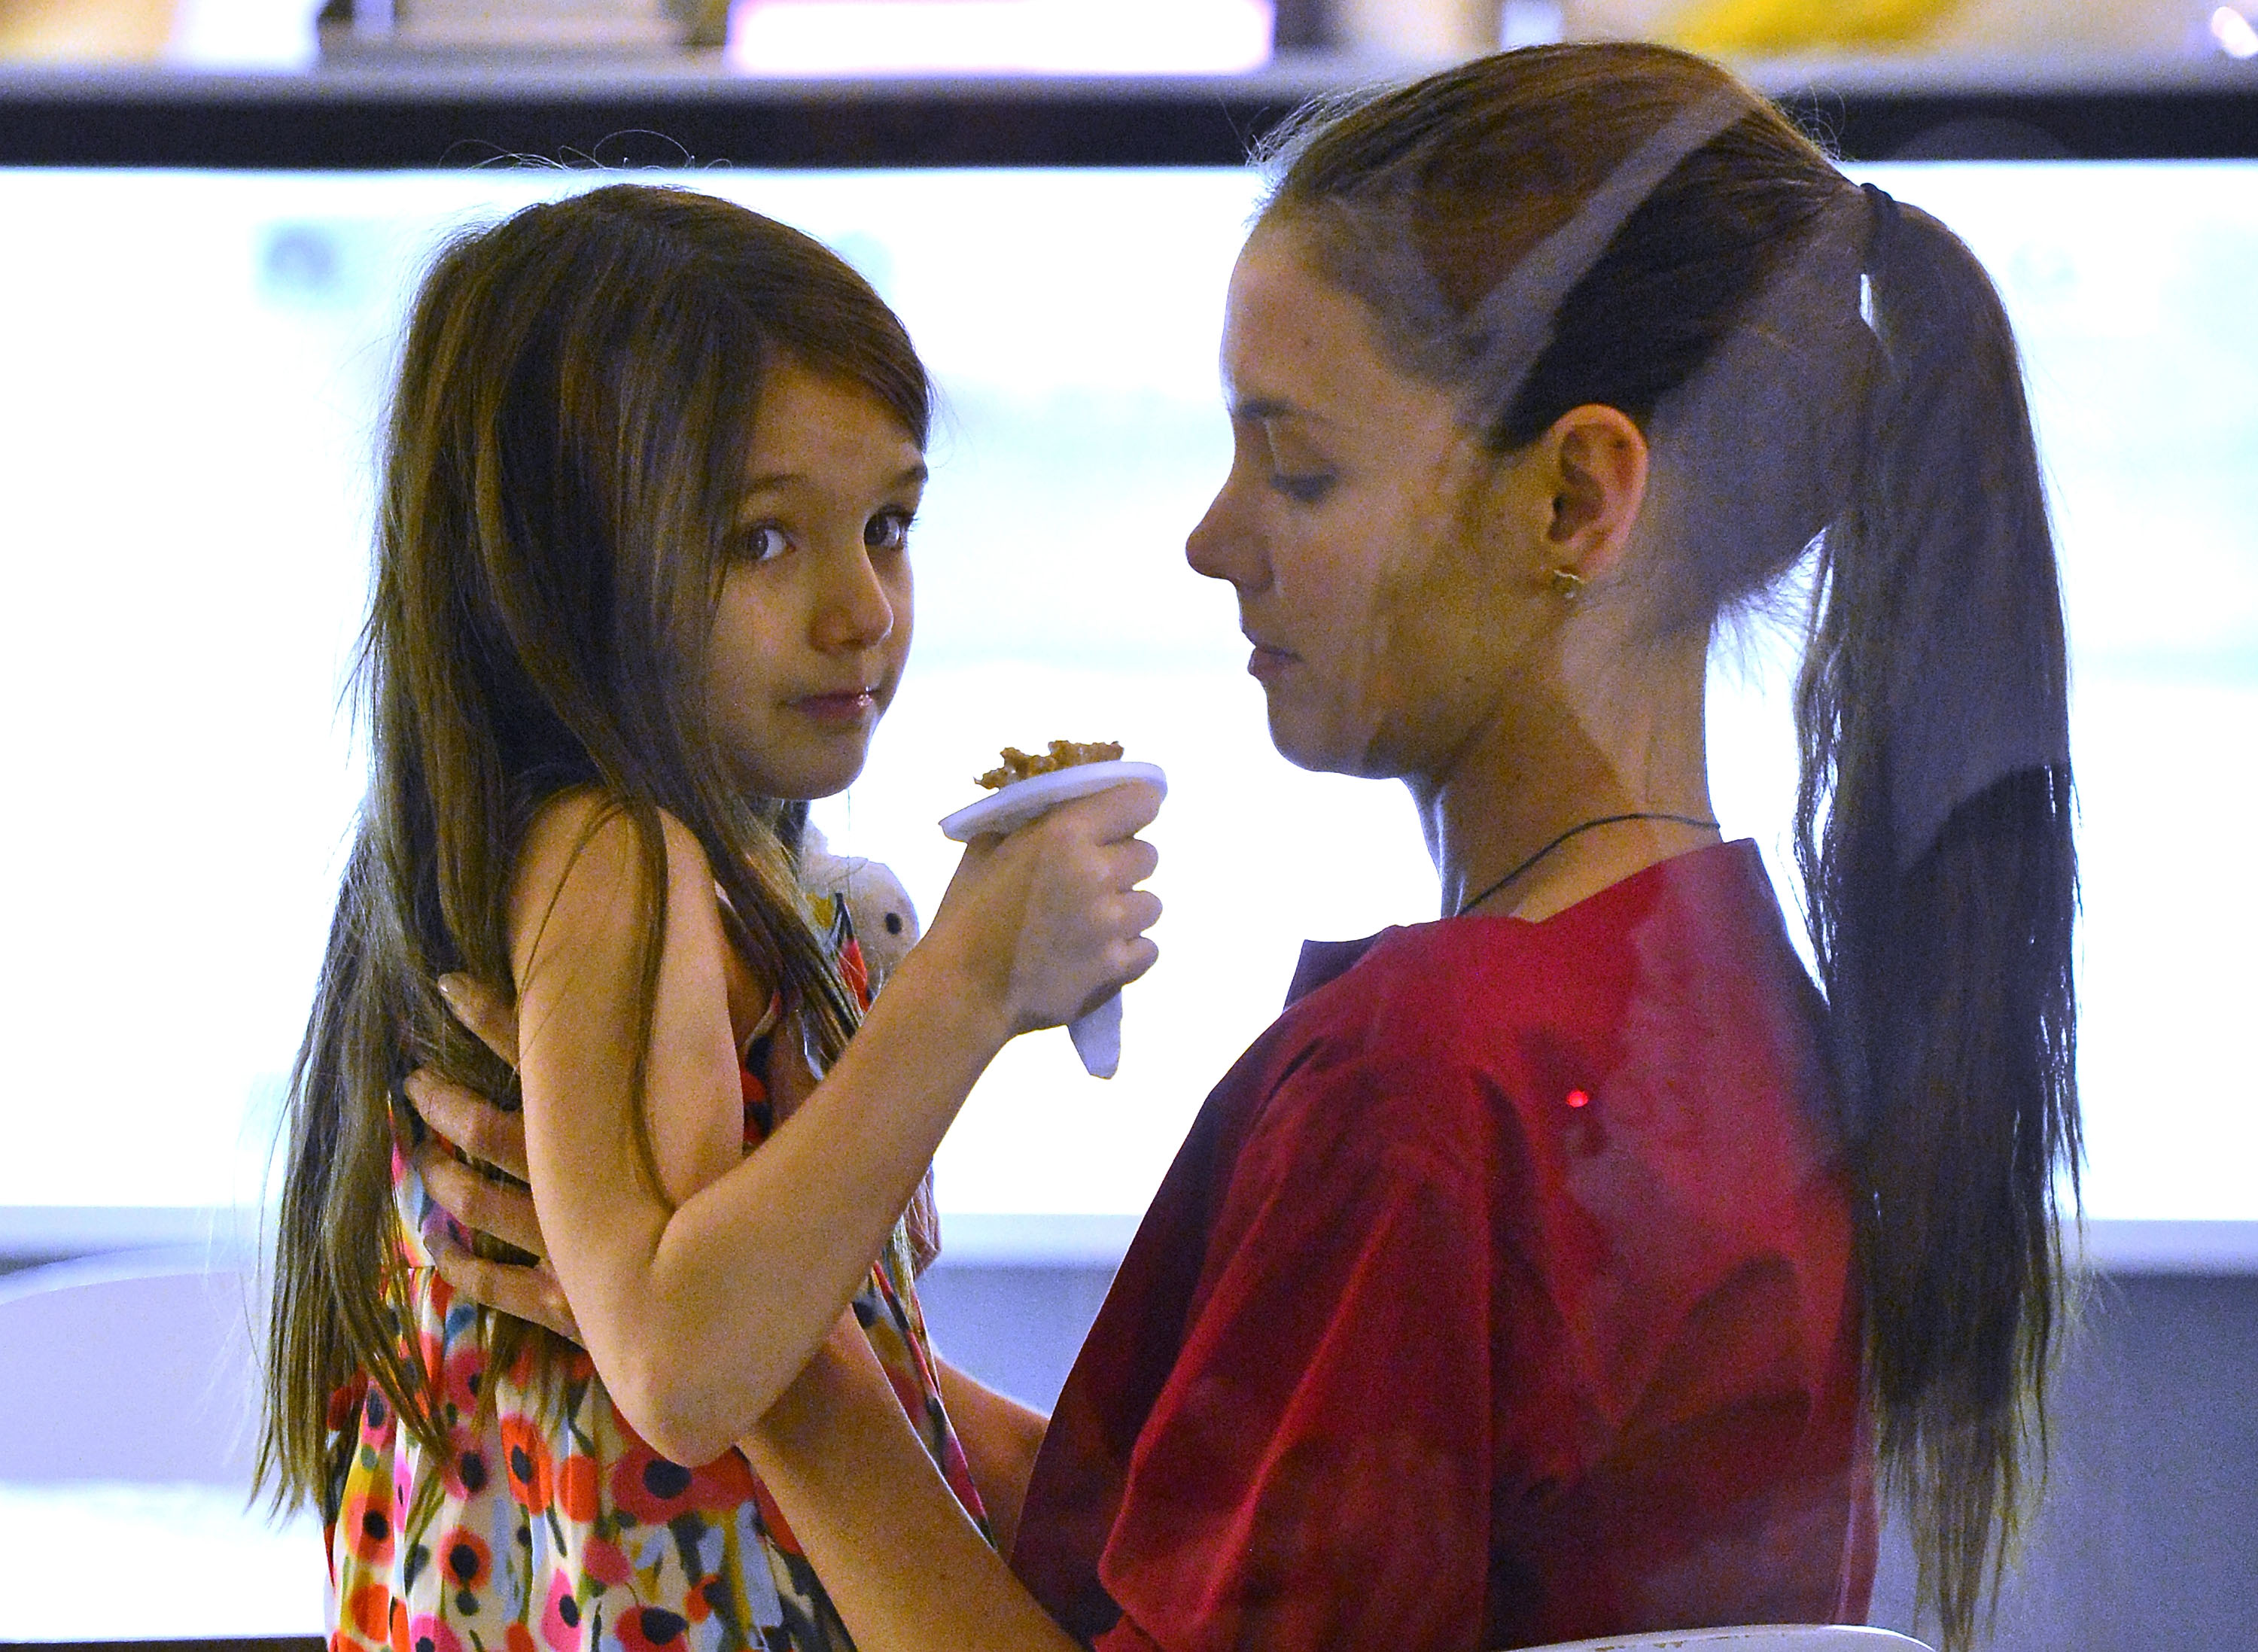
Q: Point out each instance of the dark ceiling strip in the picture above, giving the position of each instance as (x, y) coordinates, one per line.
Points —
(360, 120)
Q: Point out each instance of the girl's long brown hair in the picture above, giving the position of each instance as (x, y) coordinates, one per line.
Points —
(567, 443)
(1946, 966)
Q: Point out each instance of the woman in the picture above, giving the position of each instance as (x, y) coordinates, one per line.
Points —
(1569, 1267)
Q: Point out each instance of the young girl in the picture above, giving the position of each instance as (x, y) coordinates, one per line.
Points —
(642, 588)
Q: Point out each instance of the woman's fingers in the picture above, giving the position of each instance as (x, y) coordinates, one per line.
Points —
(469, 1120)
(491, 1015)
(479, 1203)
(527, 1293)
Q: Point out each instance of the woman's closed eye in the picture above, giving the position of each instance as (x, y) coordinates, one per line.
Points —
(1306, 489)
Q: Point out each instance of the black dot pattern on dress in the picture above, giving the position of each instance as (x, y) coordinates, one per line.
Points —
(664, 1479)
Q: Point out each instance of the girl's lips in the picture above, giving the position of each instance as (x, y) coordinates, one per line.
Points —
(854, 707)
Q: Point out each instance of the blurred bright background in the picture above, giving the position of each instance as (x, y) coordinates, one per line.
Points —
(185, 478)
(1118, 37)
(194, 364)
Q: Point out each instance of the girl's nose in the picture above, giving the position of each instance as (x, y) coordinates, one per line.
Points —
(855, 611)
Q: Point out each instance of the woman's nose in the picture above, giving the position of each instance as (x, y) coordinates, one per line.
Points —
(855, 611)
(1220, 547)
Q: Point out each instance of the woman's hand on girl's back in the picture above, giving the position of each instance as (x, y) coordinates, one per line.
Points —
(486, 1204)
(1047, 921)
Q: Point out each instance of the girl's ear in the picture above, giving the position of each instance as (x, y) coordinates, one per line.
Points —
(1594, 460)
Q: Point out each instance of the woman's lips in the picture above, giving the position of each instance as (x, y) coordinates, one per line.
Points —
(1267, 662)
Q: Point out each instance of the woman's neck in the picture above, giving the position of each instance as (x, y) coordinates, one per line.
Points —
(1640, 750)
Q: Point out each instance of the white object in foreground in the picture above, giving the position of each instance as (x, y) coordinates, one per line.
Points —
(1757, 1637)
(1097, 1035)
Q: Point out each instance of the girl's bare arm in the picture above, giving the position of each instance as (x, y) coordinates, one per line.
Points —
(1000, 1435)
(700, 1297)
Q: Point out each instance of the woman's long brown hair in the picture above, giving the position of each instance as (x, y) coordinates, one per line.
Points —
(567, 443)
(1946, 966)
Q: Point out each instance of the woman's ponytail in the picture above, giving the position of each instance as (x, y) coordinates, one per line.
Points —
(1934, 838)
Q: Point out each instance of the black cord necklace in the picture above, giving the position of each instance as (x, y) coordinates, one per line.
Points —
(1466, 906)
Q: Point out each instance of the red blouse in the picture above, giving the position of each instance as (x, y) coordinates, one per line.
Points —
(1500, 1294)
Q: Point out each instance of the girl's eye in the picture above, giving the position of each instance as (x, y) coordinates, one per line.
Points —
(764, 543)
(888, 530)
(1304, 490)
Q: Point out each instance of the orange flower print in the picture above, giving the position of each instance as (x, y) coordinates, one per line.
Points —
(725, 1482)
(653, 1490)
(651, 1630)
(465, 1559)
(579, 1487)
(648, 1487)
(367, 1525)
(525, 1457)
(375, 1417)
(464, 1374)
(369, 1610)
(467, 1472)
(606, 1563)
(342, 1403)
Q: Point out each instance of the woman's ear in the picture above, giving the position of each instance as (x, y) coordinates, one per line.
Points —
(1596, 462)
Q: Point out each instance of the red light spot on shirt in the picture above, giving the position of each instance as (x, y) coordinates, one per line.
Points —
(1578, 1098)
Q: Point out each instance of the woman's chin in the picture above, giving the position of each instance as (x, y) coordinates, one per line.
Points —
(1323, 746)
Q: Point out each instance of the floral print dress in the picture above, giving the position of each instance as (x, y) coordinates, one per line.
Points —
(551, 1525)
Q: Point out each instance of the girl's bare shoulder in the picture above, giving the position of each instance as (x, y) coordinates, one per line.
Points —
(583, 863)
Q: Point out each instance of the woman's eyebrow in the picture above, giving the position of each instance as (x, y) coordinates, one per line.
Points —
(1263, 410)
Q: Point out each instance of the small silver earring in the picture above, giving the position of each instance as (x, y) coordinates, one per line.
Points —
(1567, 583)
